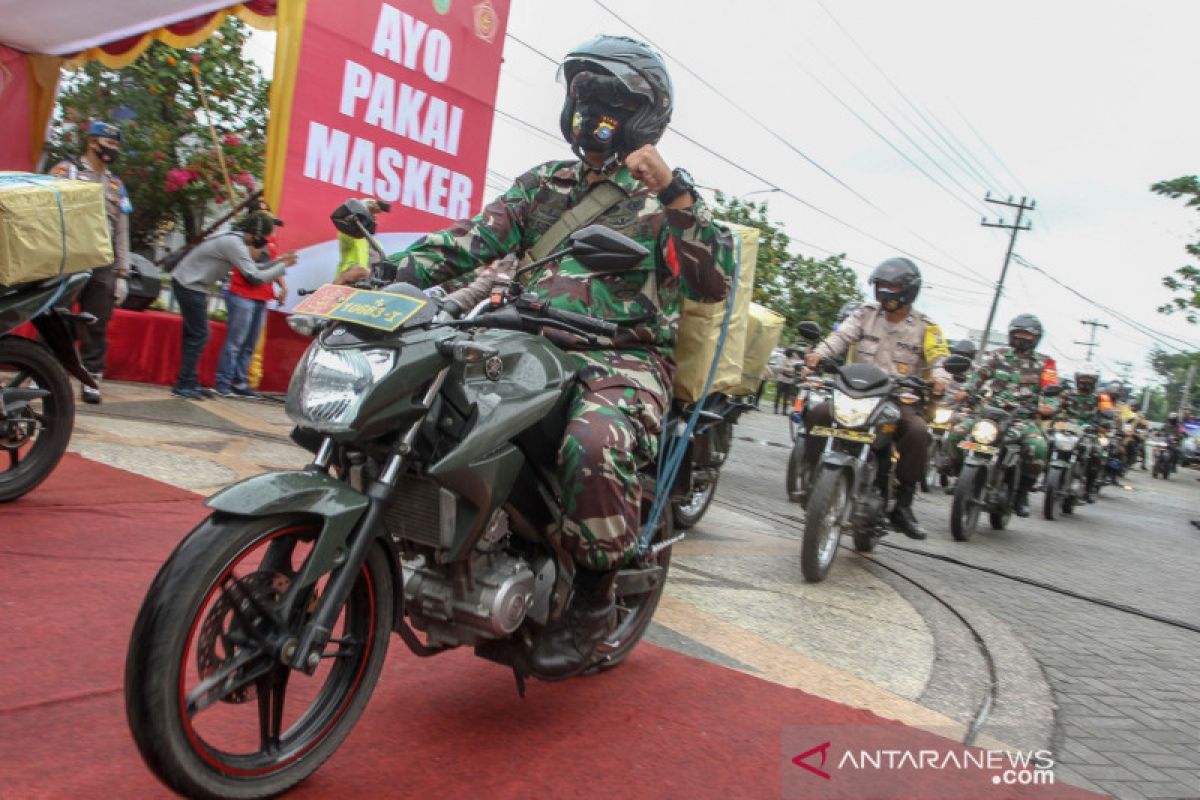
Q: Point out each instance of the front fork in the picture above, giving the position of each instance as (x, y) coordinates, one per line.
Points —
(305, 654)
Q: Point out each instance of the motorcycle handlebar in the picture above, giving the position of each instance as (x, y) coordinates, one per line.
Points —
(584, 322)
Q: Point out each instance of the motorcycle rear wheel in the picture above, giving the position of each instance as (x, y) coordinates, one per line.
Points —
(823, 522)
(688, 513)
(32, 441)
(967, 503)
(635, 611)
(213, 711)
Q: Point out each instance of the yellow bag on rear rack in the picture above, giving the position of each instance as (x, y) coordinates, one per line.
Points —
(762, 337)
(50, 227)
(700, 330)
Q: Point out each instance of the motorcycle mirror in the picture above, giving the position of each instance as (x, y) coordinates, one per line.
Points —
(602, 249)
(957, 365)
(809, 331)
(1053, 390)
(353, 218)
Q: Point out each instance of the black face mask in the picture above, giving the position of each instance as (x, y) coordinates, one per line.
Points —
(1021, 345)
(890, 299)
(107, 154)
(595, 127)
(259, 241)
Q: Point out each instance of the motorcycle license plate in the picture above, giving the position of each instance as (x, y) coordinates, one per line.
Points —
(853, 436)
(979, 448)
(380, 310)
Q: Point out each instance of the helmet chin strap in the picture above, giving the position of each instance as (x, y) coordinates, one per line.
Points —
(610, 165)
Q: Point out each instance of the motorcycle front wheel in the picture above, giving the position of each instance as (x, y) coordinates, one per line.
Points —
(999, 520)
(823, 523)
(34, 431)
(212, 709)
(967, 503)
(1052, 490)
(799, 477)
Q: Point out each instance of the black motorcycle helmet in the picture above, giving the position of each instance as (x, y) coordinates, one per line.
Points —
(1026, 323)
(965, 348)
(1087, 378)
(640, 75)
(900, 272)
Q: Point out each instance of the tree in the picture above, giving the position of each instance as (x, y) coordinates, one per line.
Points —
(1185, 281)
(1173, 368)
(798, 287)
(168, 161)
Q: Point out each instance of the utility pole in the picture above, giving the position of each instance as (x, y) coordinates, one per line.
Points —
(1021, 208)
(1185, 398)
(1091, 343)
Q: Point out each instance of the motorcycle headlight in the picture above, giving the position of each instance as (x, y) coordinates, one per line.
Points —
(853, 412)
(306, 325)
(985, 431)
(1066, 441)
(942, 416)
(328, 385)
(1103, 440)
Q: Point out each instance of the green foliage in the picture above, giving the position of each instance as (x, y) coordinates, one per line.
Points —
(168, 161)
(1185, 281)
(798, 287)
(1173, 369)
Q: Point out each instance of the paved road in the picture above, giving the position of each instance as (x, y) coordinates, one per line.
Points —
(1127, 688)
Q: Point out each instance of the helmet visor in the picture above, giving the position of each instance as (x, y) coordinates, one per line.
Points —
(632, 81)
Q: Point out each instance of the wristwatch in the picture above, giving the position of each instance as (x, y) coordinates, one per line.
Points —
(680, 184)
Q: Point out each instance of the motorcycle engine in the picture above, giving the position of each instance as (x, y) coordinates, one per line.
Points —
(492, 604)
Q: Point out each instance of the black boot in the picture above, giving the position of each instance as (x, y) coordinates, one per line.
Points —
(568, 646)
(902, 516)
(1021, 500)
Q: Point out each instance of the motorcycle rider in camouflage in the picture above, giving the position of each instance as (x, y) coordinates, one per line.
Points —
(903, 342)
(1016, 376)
(1081, 405)
(618, 103)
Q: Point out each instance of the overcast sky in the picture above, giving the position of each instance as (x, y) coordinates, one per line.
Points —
(1084, 102)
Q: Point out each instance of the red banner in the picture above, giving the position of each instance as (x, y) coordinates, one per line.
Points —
(16, 151)
(392, 100)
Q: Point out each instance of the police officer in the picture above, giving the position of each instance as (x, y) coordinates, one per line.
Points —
(618, 101)
(109, 286)
(893, 336)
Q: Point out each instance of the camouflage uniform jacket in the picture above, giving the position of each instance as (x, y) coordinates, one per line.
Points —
(912, 347)
(1083, 409)
(690, 255)
(116, 205)
(1014, 379)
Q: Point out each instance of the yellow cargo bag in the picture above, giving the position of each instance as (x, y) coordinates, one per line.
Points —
(700, 330)
(762, 337)
(50, 227)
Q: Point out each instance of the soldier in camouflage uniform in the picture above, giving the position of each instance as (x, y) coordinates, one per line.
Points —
(1016, 375)
(618, 103)
(109, 286)
(1081, 405)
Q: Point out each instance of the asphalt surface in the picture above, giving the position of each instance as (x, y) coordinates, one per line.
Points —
(1106, 601)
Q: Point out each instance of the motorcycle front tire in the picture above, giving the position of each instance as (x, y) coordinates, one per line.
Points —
(823, 521)
(1051, 492)
(967, 503)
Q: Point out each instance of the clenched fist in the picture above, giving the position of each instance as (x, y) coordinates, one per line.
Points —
(646, 165)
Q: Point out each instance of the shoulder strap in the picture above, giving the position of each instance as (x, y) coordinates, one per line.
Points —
(602, 197)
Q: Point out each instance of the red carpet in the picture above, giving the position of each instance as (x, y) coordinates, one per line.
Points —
(77, 555)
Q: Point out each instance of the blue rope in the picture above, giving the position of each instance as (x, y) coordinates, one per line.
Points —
(672, 448)
(48, 183)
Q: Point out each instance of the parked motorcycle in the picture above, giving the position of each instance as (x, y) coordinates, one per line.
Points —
(37, 403)
(1072, 448)
(847, 491)
(991, 470)
(429, 507)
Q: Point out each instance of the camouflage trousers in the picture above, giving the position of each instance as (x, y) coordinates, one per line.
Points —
(615, 413)
(1034, 447)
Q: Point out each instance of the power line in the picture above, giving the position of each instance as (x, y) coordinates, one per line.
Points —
(988, 147)
(766, 182)
(1122, 318)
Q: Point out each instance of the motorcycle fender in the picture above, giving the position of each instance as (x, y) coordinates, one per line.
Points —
(300, 492)
(57, 335)
(837, 460)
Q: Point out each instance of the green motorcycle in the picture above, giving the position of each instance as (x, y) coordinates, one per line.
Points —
(37, 405)
(428, 510)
